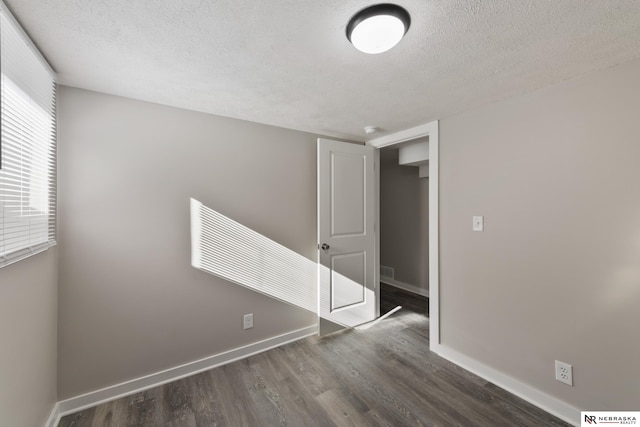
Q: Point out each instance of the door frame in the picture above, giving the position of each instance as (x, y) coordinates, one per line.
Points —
(430, 130)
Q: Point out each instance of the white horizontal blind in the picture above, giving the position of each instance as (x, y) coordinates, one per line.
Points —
(28, 128)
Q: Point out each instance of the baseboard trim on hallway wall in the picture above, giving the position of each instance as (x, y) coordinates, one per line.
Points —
(54, 416)
(404, 286)
(550, 404)
(127, 388)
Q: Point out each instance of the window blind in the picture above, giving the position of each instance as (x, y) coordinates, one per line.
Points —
(28, 150)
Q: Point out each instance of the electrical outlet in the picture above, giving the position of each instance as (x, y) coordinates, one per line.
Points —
(247, 321)
(564, 373)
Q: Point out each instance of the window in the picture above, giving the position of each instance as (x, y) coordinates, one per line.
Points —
(28, 146)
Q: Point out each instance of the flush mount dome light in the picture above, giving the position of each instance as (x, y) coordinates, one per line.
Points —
(378, 28)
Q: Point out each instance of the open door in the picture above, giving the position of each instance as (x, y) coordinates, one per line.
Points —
(347, 256)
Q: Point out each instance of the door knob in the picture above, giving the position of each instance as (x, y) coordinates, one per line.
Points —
(325, 247)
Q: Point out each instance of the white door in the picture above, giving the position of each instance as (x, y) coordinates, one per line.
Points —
(347, 277)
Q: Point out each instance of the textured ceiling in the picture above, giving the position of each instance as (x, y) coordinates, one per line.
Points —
(288, 63)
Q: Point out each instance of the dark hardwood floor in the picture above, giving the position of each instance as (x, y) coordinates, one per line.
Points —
(384, 376)
(391, 297)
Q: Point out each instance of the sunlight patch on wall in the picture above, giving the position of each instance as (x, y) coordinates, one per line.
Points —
(227, 249)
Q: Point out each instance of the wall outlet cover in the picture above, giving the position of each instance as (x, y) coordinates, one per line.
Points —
(564, 373)
(247, 321)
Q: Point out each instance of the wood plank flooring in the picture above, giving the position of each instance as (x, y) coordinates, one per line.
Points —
(384, 376)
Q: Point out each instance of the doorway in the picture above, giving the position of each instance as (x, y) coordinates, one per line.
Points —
(404, 220)
(430, 131)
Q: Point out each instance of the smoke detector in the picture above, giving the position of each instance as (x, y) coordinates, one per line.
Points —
(371, 130)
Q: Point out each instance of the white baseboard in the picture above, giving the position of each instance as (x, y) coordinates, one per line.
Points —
(550, 404)
(117, 391)
(404, 286)
(54, 417)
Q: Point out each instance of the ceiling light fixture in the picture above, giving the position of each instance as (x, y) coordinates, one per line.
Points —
(378, 28)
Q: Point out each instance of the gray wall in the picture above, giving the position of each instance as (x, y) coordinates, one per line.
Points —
(28, 300)
(556, 274)
(404, 220)
(423, 234)
(130, 303)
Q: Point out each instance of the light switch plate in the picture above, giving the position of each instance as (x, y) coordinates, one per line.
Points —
(478, 223)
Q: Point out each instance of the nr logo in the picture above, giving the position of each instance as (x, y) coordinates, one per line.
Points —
(591, 419)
